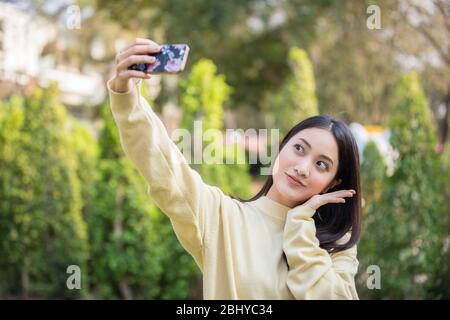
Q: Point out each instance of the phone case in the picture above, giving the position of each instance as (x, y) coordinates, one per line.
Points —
(171, 59)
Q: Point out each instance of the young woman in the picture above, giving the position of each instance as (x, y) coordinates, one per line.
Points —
(296, 239)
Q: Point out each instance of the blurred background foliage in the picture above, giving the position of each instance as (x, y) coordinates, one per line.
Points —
(68, 195)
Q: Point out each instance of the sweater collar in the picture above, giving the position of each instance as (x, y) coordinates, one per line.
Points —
(271, 207)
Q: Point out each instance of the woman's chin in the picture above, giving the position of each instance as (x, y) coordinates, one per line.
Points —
(294, 195)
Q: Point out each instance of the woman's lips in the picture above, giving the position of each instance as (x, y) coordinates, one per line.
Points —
(293, 181)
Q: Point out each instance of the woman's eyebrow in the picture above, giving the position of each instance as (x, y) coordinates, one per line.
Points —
(322, 155)
(306, 142)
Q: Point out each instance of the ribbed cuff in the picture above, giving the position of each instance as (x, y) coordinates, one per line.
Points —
(302, 212)
(121, 100)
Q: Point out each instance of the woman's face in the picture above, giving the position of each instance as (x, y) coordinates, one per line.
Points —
(310, 157)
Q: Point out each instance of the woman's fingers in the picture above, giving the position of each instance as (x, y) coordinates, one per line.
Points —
(135, 52)
(332, 200)
(343, 193)
(333, 197)
(126, 63)
(134, 74)
(139, 49)
(145, 41)
(143, 49)
(338, 196)
(139, 41)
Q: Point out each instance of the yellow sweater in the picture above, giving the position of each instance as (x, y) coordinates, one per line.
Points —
(238, 246)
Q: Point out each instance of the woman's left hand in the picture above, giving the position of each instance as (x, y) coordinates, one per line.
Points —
(315, 202)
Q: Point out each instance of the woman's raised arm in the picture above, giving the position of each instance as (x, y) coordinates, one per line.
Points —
(176, 188)
(313, 272)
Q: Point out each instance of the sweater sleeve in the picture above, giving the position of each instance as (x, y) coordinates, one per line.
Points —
(176, 188)
(313, 272)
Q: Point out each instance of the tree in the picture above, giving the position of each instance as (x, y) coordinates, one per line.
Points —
(11, 121)
(410, 208)
(373, 171)
(87, 152)
(121, 230)
(42, 228)
(296, 99)
(429, 26)
(355, 66)
(373, 180)
(204, 94)
(247, 40)
(439, 284)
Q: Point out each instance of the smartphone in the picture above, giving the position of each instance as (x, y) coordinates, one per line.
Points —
(171, 59)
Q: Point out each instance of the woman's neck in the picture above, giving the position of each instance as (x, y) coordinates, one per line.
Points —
(274, 195)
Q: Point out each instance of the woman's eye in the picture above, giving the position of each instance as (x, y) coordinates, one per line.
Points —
(297, 146)
(325, 166)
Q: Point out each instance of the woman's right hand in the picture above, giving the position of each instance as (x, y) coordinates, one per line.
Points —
(136, 52)
(318, 200)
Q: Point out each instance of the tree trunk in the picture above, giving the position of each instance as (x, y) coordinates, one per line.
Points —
(445, 119)
(25, 279)
(125, 290)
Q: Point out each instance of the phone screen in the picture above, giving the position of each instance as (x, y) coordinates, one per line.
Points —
(171, 59)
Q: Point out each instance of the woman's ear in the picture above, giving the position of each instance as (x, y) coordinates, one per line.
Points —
(332, 185)
(337, 182)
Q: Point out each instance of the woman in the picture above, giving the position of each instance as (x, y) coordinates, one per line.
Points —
(296, 239)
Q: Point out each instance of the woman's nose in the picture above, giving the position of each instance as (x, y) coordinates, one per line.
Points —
(302, 170)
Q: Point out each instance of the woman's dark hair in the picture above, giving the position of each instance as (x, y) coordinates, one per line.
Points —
(333, 221)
